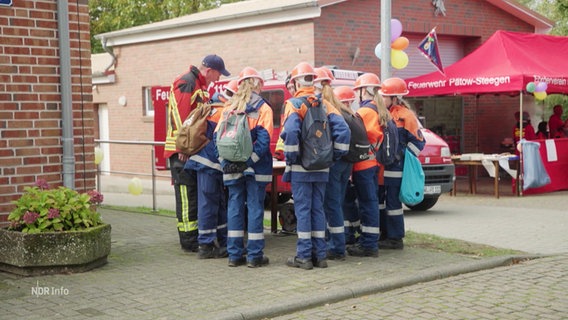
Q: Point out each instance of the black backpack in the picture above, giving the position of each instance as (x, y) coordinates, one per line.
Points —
(359, 144)
(316, 145)
(389, 152)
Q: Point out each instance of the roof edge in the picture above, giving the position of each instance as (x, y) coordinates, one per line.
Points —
(182, 27)
(541, 24)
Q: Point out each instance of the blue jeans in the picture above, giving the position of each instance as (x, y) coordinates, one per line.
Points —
(335, 190)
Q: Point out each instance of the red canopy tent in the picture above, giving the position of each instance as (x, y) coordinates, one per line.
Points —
(505, 63)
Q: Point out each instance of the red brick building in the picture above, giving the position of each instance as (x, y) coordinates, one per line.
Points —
(278, 34)
(39, 84)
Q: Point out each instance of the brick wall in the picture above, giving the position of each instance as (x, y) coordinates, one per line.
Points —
(30, 117)
(330, 39)
(279, 47)
(344, 27)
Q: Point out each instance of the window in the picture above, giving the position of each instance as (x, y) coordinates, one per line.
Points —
(147, 99)
(275, 99)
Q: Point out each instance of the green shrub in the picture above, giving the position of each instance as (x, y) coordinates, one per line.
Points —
(41, 209)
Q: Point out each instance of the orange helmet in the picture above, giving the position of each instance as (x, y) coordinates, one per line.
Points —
(367, 80)
(323, 74)
(230, 89)
(393, 87)
(302, 70)
(344, 93)
(249, 72)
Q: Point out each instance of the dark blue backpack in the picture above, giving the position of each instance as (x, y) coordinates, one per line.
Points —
(316, 144)
(389, 151)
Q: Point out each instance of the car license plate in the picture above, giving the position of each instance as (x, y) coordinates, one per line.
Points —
(432, 189)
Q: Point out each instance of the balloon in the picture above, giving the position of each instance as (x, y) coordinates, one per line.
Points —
(540, 95)
(530, 87)
(541, 87)
(396, 29)
(379, 51)
(401, 43)
(135, 186)
(399, 59)
(98, 155)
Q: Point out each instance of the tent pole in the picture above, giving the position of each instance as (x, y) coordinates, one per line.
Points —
(519, 185)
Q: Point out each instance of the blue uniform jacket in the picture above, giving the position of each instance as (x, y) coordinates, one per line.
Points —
(410, 137)
(261, 125)
(291, 133)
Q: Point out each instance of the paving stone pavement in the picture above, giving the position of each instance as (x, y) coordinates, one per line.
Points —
(149, 277)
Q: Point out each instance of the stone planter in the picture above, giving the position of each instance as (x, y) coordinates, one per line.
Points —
(54, 252)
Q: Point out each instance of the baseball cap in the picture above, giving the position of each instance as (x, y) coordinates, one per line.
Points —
(215, 62)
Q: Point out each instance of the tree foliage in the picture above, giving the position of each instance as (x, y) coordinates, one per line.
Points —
(555, 10)
(112, 15)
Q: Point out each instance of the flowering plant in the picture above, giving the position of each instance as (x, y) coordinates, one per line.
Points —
(41, 209)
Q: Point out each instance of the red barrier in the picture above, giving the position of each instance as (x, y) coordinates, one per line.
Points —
(557, 170)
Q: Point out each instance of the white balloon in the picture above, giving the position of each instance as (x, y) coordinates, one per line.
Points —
(378, 50)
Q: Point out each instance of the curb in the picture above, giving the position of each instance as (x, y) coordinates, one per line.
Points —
(364, 288)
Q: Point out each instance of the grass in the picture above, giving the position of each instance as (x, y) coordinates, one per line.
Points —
(412, 239)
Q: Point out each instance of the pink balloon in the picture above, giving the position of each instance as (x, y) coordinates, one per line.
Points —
(396, 29)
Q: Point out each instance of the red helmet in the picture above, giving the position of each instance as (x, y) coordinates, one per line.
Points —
(367, 80)
(301, 70)
(249, 72)
(344, 93)
(323, 74)
(393, 87)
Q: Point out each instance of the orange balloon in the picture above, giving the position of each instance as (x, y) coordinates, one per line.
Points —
(400, 43)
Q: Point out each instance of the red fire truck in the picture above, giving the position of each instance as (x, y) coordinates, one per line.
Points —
(435, 158)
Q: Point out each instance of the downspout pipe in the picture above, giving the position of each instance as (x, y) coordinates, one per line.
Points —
(65, 88)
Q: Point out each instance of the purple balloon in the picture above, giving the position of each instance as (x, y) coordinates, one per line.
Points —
(541, 87)
(396, 29)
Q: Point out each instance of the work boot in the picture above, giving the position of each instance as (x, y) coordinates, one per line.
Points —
(393, 244)
(319, 263)
(237, 262)
(222, 252)
(335, 256)
(207, 251)
(296, 262)
(359, 251)
(258, 262)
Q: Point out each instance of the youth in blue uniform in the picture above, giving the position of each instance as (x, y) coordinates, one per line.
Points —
(410, 136)
(308, 186)
(247, 181)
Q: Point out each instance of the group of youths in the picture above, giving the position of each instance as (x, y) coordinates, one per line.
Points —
(219, 203)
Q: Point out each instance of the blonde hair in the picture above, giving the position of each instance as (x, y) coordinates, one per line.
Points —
(384, 114)
(327, 94)
(242, 97)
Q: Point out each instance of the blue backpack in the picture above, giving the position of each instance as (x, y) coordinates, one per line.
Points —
(316, 145)
(389, 151)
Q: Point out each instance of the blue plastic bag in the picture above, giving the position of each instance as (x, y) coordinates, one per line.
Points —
(534, 173)
(412, 186)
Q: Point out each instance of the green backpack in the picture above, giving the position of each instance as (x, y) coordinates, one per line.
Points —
(234, 141)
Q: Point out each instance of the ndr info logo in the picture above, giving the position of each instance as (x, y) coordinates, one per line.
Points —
(49, 291)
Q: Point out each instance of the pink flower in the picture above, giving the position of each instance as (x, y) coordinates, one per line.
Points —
(96, 197)
(30, 217)
(53, 213)
(42, 184)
